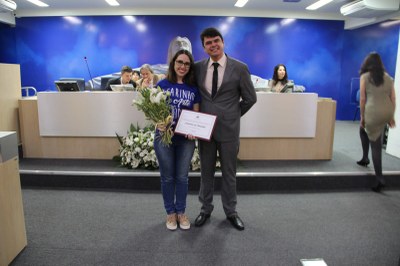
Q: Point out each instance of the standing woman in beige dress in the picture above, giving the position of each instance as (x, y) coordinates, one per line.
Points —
(377, 105)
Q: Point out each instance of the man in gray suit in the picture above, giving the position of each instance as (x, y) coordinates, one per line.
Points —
(227, 92)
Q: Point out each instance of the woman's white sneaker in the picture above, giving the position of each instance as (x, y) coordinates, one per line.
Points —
(171, 221)
(183, 221)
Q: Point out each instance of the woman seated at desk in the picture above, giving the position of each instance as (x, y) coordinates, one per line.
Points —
(149, 79)
(279, 81)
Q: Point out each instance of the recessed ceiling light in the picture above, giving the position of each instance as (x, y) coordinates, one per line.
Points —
(241, 3)
(318, 4)
(390, 23)
(112, 2)
(38, 3)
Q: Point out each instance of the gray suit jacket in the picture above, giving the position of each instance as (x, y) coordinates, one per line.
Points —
(234, 98)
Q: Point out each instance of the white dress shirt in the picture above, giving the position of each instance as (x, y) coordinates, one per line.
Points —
(210, 70)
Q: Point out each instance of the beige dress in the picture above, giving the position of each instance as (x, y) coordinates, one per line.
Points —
(379, 109)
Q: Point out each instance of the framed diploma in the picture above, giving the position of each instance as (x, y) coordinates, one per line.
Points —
(198, 124)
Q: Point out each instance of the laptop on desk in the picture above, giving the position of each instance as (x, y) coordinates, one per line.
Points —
(122, 87)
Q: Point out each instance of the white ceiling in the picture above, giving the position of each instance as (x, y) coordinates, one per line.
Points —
(254, 8)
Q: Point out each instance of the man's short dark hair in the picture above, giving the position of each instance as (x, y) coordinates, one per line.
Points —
(210, 32)
(126, 69)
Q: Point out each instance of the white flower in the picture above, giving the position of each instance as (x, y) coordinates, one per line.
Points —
(139, 99)
(160, 96)
(154, 91)
(135, 163)
(129, 141)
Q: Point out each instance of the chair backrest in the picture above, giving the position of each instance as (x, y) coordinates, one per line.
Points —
(355, 90)
(358, 96)
(80, 81)
(104, 81)
(26, 91)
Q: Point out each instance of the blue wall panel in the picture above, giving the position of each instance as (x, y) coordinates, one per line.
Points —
(8, 48)
(319, 54)
(359, 43)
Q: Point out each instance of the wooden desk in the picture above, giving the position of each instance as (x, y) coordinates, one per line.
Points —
(259, 146)
(12, 222)
(10, 93)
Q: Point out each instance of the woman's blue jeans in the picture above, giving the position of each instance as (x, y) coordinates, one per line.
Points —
(174, 162)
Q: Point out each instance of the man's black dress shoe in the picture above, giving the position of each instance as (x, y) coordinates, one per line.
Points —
(236, 222)
(201, 219)
(363, 162)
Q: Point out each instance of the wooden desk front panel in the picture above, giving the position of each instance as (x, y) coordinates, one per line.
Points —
(10, 93)
(35, 146)
(12, 221)
(320, 147)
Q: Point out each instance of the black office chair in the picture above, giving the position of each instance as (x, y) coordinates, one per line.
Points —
(355, 94)
(358, 104)
(104, 81)
(25, 91)
(80, 81)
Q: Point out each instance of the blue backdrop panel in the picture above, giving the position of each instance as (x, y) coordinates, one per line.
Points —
(53, 47)
(319, 54)
(8, 49)
(357, 45)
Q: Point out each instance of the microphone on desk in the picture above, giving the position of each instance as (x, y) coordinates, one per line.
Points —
(90, 74)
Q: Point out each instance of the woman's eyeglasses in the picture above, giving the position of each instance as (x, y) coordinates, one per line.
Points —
(180, 63)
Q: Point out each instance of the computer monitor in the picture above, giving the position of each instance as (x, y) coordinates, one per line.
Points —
(80, 81)
(67, 85)
(287, 88)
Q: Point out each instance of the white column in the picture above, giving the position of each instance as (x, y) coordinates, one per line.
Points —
(393, 143)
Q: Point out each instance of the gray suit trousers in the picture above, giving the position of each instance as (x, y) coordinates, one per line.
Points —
(228, 155)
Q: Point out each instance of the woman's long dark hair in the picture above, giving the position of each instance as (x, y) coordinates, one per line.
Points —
(373, 64)
(189, 77)
(275, 76)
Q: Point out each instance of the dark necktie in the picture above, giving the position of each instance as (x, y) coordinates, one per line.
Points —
(214, 80)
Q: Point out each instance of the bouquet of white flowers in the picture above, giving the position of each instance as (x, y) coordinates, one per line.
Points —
(154, 102)
(137, 150)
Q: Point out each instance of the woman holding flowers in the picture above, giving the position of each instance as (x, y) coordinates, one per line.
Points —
(174, 159)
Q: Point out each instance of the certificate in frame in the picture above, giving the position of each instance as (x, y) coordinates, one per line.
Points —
(198, 124)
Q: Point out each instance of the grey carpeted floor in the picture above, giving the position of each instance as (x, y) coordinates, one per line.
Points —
(67, 227)
(93, 227)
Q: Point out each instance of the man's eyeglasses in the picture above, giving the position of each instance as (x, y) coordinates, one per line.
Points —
(180, 63)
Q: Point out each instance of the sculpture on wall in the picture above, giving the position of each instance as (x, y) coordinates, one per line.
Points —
(178, 43)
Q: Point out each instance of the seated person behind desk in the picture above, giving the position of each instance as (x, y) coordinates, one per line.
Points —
(149, 79)
(126, 78)
(135, 75)
(279, 81)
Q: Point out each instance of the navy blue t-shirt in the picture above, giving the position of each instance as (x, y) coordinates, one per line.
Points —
(182, 97)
